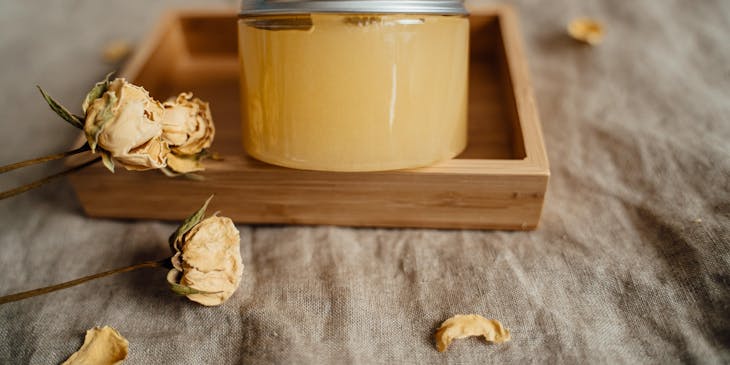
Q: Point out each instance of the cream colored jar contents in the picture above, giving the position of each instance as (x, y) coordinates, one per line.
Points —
(354, 92)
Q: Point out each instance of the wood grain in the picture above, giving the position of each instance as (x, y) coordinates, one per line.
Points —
(498, 182)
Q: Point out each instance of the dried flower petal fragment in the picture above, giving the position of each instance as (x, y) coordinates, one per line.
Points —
(116, 50)
(462, 326)
(586, 30)
(102, 346)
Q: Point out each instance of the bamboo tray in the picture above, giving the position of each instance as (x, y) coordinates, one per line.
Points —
(498, 182)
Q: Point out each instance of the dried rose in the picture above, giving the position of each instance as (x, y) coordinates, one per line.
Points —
(207, 264)
(187, 125)
(124, 124)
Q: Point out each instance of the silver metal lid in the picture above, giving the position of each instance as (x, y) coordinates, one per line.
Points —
(261, 7)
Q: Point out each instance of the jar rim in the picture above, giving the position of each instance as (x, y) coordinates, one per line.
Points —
(437, 7)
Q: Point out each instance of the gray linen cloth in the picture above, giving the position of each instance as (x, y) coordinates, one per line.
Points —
(631, 262)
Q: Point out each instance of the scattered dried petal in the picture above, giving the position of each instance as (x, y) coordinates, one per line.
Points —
(462, 326)
(586, 30)
(116, 50)
(102, 346)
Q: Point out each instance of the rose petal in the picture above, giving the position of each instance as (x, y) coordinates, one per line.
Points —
(462, 326)
(102, 346)
(586, 30)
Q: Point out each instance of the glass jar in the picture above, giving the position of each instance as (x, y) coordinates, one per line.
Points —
(344, 85)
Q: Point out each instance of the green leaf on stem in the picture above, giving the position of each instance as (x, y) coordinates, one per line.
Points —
(188, 224)
(61, 111)
(180, 289)
(106, 159)
(190, 176)
(96, 125)
(96, 92)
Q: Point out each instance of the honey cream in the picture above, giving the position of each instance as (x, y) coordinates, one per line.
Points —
(354, 92)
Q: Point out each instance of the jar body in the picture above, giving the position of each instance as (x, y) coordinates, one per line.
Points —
(355, 92)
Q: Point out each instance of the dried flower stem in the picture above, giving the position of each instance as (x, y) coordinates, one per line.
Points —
(68, 284)
(34, 161)
(45, 180)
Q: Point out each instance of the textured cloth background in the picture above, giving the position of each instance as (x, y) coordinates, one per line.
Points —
(631, 263)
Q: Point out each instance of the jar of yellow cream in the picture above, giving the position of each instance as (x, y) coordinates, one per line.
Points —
(348, 85)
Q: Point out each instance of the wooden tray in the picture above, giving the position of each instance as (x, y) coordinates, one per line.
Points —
(498, 182)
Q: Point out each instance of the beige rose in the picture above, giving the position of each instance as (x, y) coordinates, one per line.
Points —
(208, 260)
(187, 125)
(126, 123)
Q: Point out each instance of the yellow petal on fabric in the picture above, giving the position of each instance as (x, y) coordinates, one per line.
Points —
(102, 346)
(115, 51)
(586, 30)
(467, 325)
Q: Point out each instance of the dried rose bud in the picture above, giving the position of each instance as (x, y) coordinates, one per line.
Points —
(207, 264)
(124, 123)
(187, 125)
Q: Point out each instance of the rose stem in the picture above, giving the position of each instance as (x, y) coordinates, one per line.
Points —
(34, 161)
(68, 284)
(45, 180)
